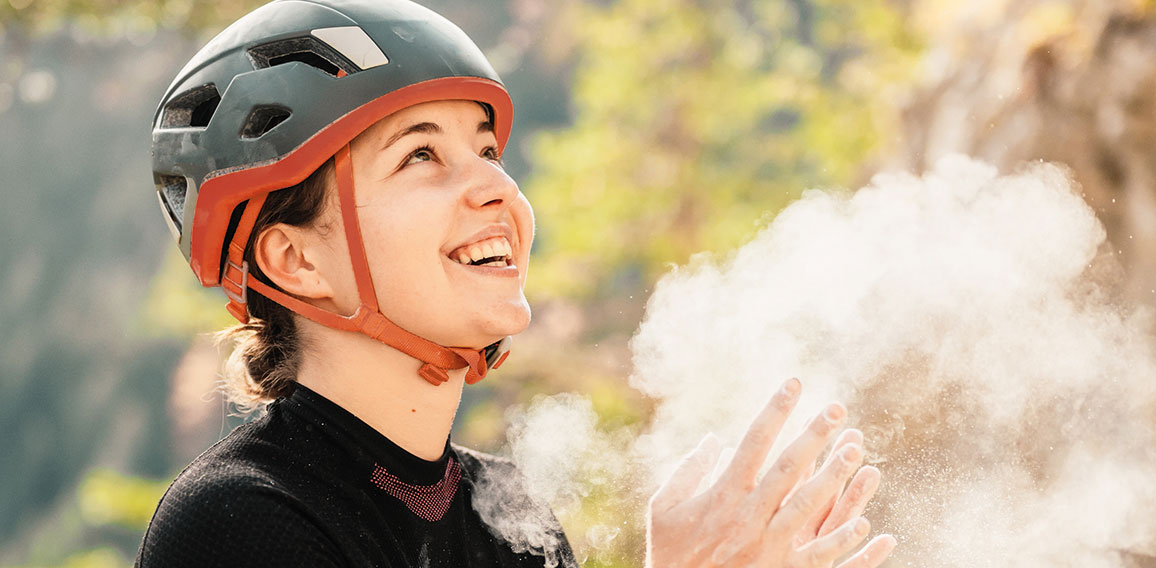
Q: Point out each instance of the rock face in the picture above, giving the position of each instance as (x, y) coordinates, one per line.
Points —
(1080, 92)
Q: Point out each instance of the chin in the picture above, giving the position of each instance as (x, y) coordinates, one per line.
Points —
(498, 323)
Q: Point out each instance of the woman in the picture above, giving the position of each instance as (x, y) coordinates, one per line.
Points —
(334, 165)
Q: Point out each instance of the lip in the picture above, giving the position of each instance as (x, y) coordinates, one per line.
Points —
(509, 271)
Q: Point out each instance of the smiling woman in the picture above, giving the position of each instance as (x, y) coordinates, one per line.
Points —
(375, 253)
(426, 199)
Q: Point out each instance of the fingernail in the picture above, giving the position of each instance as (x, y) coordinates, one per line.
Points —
(834, 413)
(791, 387)
(851, 453)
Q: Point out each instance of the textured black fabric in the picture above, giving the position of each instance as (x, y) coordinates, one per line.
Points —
(295, 488)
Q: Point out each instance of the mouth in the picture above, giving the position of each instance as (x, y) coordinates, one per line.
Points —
(494, 252)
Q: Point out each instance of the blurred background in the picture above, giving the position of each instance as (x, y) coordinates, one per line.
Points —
(646, 131)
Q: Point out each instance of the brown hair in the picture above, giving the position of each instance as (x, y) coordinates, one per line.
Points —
(267, 351)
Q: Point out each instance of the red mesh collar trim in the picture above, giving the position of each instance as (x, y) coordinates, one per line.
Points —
(429, 502)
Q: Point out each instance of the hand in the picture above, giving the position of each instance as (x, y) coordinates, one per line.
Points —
(790, 518)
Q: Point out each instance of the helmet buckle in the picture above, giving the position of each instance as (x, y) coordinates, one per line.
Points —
(235, 283)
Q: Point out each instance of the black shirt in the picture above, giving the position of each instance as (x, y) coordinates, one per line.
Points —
(309, 484)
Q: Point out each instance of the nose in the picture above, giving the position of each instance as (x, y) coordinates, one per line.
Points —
(488, 185)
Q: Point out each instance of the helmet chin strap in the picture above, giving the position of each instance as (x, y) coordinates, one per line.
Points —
(368, 319)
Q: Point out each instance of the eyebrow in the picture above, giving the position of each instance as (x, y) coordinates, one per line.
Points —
(431, 128)
(419, 128)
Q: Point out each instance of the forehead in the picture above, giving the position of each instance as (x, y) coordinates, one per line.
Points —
(449, 115)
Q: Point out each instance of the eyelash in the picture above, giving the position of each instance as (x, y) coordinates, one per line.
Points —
(490, 153)
(427, 149)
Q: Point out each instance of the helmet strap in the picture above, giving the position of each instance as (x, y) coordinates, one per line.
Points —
(368, 319)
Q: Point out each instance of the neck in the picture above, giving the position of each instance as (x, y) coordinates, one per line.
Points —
(380, 385)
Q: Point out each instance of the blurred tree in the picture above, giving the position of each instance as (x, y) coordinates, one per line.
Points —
(78, 388)
(109, 507)
(132, 19)
(110, 498)
(693, 120)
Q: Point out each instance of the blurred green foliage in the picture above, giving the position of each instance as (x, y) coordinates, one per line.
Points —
(692, 120)
(104, 557)
(110, 498)
(178, 306)
(105, 501)
(135, 19)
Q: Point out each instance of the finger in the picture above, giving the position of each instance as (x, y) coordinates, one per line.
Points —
(822, 518)
(757, 442)
(854, 499)
(724, 553)
(791, 464)
(811, 529)
(848, 436)
(823, 551)
(829, 481)
(684, 481)
(873, 554)
(807, 473)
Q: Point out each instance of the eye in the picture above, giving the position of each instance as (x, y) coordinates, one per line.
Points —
(423, 154)
(491, 153)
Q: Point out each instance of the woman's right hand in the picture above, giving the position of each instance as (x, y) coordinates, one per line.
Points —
(789, 518)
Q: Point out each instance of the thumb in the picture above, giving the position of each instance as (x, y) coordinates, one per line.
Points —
(685, 479)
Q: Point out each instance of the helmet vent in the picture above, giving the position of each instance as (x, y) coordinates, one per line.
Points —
(263, 119)
(193, 108)
(172, 190)
(307, 50)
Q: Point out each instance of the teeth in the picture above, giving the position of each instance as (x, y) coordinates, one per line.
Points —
(495, 247)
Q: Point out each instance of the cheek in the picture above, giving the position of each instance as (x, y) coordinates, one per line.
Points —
(523, 215)
(403, 251)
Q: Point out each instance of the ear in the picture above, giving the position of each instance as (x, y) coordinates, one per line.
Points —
(284, 254)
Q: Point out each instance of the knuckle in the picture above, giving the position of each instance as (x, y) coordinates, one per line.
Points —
(782, 402)
(760, 438)
(787, 465)
(801, 503)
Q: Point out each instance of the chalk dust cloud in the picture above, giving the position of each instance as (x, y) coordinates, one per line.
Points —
(966, 318)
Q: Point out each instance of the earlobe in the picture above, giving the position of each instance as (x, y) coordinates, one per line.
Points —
(282, 253)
